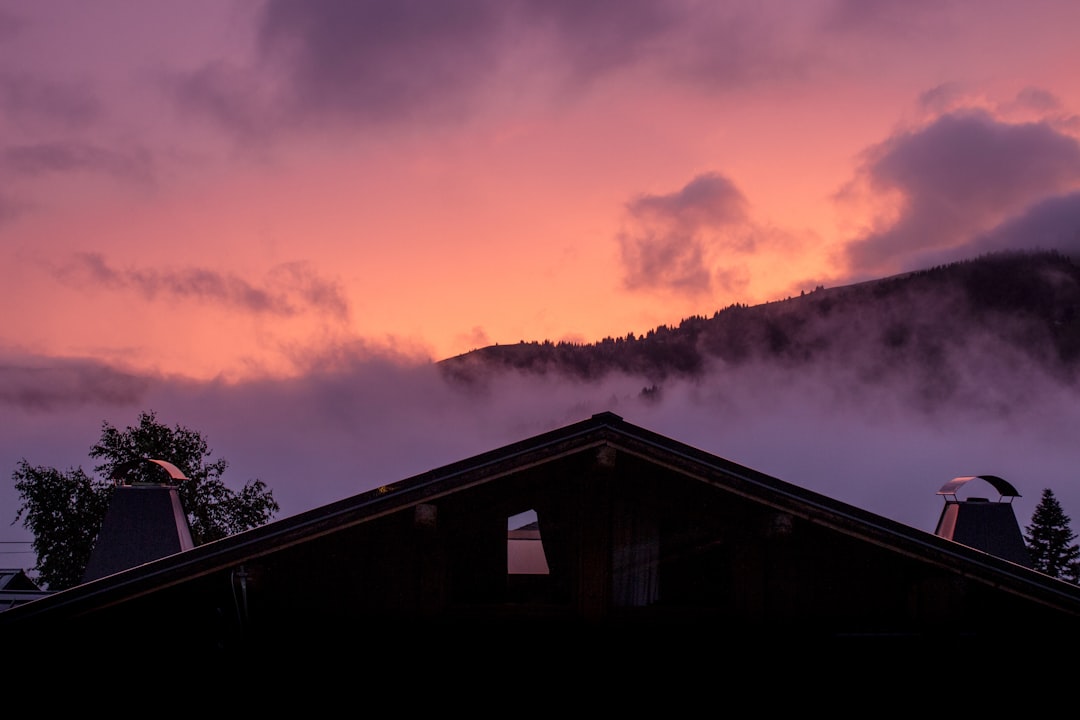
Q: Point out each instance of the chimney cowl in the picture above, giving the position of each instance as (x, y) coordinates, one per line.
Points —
(122, 471)
(981, 524)
(1004, 488)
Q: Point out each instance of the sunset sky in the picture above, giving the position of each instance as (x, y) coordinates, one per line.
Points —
(264, 219)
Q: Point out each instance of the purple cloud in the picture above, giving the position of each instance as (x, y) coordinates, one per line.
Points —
(595, 37)
(230, 97)
(65, 157)
(389, 59)
(667, 248)
(941, 99)
(380, 59)
(959, 177)
(394, 61)
(1052, 224)
(359, 421)
(887, 17)
(59, 385)
(289, 290)
(11, 25)
(9, 208)
(1038, 99)
(29, 103)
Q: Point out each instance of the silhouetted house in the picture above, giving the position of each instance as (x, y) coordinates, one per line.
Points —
(632, 535)
(16, 588)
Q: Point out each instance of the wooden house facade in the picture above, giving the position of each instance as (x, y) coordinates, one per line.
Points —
(640, 536)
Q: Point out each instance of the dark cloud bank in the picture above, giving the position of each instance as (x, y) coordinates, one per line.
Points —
(386, 63)
(970, 184)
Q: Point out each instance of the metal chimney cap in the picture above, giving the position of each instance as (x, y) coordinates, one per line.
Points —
(1004, 488)
(123, 469)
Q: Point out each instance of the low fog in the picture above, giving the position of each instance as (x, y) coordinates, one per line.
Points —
(336, 433)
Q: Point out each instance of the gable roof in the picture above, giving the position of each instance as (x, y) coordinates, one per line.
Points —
(16, 588)
(601, 438)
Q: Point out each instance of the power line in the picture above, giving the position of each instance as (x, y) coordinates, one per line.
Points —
(16, 552)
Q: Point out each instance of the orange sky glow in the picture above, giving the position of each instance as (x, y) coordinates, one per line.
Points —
(265, 219)
(234, 200)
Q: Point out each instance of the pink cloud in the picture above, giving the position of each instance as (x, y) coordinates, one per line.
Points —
(669, 243)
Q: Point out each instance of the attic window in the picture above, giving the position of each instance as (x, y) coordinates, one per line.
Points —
(524, 547)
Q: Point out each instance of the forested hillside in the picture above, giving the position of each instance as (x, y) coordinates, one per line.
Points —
(1013, 312)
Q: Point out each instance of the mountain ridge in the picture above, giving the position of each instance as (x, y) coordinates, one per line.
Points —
(1014, 310)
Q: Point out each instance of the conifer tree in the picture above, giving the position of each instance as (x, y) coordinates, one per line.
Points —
(1049, 540)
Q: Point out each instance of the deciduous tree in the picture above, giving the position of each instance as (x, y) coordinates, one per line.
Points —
(64, 509)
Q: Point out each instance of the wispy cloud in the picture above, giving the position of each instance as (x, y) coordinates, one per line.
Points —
(10, 208)
(888, 18)
(235, 99)
(289, 289)
(376, 60)
(63, 385)
(359, 420)
(10, 25)
(33, 104)
(388, 62)
(64, 157)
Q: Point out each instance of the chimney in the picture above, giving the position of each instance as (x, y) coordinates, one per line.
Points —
(145, 521)
(981, 523)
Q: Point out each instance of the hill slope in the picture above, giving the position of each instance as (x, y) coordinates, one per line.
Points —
(1005, 313)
